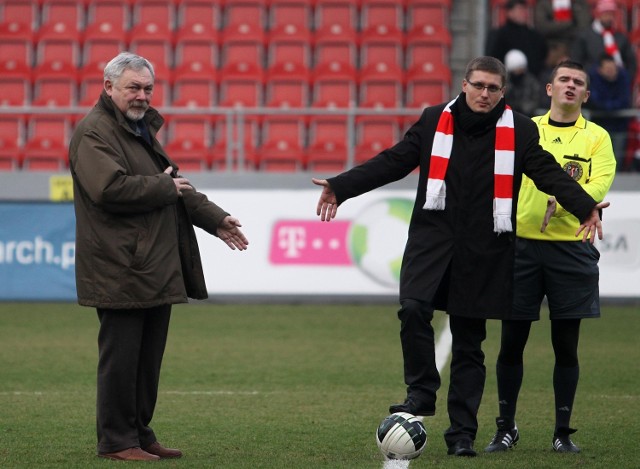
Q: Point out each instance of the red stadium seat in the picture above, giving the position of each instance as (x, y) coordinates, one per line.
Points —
(196, 42)
(57, 42)
(203, 12)
(328, 140)
(115, 12)
(241, 85)
(242, 149)
(153, 41)
(381, 44)
(428, 12)
(377, 127)
(101, 41)
(336, 12)
(16, 42)
(334, 43)
(289, 44)
(326, 156)
(12, 127)
(160, 12)
(9, 155)
(161, 87)
(371, 147)
(283, 144)
(46, 154)
(427, 44)
(250, 12)
(281, 156)
(91, 83)
(243, 42)
(54, 84)
(20, 11)
(389, 13)
(381, 86)
(334, 85)
(15, 83)
(69, 12)
(194, 127)
(49, 127)
(427, 84)
(195, 85)
(190, 154)
(287, 85)
(296, 12)
(11, 141)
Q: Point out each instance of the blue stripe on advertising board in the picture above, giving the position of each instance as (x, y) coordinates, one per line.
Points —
(37, 251)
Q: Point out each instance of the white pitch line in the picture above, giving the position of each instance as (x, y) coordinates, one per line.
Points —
(213, 393)
(395, 464)
(443, 352)
(180, 393)
(443, 346)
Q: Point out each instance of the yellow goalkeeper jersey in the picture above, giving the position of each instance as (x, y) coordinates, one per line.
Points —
(585, 152)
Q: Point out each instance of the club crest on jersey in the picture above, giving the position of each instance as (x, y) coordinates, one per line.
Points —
(573, 169)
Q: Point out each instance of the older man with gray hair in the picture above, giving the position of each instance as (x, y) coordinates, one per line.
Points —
(136, 251)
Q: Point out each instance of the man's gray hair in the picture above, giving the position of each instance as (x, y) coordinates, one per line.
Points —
(126, 61)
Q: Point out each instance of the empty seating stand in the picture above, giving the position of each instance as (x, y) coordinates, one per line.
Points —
(321, 56)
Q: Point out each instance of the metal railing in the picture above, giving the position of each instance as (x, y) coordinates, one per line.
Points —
(236, 117)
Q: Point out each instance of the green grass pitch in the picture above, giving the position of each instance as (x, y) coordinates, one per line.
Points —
(299, 386)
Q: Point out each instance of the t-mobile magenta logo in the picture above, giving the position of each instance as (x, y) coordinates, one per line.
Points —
(310, 242)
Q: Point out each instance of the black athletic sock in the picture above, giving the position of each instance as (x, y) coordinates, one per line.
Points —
(509, 382)
(565, 383)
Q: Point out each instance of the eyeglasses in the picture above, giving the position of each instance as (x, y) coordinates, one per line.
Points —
(482, 87)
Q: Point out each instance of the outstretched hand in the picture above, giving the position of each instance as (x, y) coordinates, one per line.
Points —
(327, 207)
(593, 224)
(229, 232)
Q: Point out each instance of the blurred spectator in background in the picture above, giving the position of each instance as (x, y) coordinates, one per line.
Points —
(602, 37)
(560, 22)
(553, 59)
(632, 159)
(516, 33)
(523, 88)
(611, 92)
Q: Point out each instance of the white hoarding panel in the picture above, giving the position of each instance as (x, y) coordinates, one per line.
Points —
(292, 253)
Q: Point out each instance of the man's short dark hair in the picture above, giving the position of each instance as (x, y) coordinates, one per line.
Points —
(569, 64)
(486, 64)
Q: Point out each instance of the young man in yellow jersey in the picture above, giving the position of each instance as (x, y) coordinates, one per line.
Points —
(550, 262)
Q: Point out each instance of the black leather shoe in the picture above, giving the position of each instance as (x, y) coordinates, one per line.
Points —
(462, 447)
(410, 406)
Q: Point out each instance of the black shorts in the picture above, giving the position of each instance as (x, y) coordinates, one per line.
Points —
(566, 272)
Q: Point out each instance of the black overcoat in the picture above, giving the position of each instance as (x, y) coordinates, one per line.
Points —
(453, 258)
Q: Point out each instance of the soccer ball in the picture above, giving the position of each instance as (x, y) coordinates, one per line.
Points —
(377, 238)
(401, 436)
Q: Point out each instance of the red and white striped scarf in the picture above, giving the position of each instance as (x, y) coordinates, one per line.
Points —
(610, 45)
(502, 172)
(562, 10)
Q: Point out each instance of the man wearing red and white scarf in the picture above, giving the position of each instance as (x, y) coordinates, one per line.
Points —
(472, 153)
(603, 37)
(560, 21)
